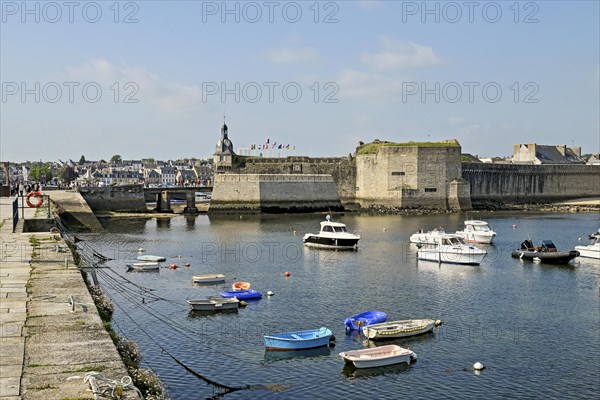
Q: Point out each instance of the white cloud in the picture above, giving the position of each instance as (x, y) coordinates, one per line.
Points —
(362, 85)
(144, 86)
(307, 54)
(399, 55)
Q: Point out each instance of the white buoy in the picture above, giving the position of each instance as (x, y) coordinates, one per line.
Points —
(384, 229)
(294, 232)
(478, 366)
(269, 293)
(140, 250)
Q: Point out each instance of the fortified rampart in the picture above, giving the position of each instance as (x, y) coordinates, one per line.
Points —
(273, 193)
(126, 198)
(341, 169)
(412, 176)
(531, 183)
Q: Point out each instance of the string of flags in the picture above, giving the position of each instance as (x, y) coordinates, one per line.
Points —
(274, 146)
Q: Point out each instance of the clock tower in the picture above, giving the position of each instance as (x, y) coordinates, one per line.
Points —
(223, 155)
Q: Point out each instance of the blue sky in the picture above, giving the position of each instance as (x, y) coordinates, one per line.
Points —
(154, 78)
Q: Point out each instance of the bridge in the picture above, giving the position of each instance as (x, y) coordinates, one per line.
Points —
(164, 195)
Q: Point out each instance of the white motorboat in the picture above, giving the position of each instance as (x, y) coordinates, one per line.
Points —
(379, 356)
(143, 266)
(592, 250)
(151, 258)
(422, 237)
(398, 329)
(333, 235)
(451, 249)
(214, 304)
(476, 231)
(208, 278)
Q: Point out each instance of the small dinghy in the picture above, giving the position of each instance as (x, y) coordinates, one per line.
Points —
(379, 356)
(398, 329)
(308, 339)
(151, 258)
(143, 266)
(242, 294)
(208, 278)
(240, 286)
(214, 304)
(358, 321)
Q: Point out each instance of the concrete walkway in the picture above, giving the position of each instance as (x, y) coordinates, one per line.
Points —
(46, 344)
(14, 275)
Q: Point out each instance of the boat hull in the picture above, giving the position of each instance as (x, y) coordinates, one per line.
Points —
(379, 356)
(330, 243)
(149, 257)
(398, 329)
(592, 251)
(214, 304)
(242, 294)
(143, 266)
(450, 254)
(358, 321)
(298, 340)
(558, 257)
(471, 237)
(210, 278)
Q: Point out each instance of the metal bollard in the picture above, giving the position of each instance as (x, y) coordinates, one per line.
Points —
(72, 301)
(66, 262)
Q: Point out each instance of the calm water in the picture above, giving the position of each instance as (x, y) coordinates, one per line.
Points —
(535, 327)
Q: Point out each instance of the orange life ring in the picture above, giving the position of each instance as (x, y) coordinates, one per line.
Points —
(38, 196)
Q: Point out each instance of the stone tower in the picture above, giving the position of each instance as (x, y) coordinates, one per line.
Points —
(223, 156)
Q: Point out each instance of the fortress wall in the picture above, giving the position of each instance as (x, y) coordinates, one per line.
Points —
(514, 182)
(126, 198)
(342, 169)
(276, 193)
(411, 177)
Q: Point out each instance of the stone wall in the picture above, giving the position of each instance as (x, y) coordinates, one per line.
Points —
(126, 198)
(342, 169)
(427, 177)
(531, 183)
(274, 193)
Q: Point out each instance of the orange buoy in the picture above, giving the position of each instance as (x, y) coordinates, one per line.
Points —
(173, 266)
(286, 274)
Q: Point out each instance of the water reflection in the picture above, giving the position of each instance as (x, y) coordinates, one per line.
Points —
(163, 223)
(351, 372)
(207, 313)
(275, 355)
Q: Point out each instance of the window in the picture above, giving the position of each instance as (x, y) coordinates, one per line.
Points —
(400, 173)
(430, 190)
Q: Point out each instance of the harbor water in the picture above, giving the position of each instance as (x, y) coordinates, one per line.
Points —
(535, 327)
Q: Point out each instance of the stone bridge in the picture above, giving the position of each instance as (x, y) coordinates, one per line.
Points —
(163, 197)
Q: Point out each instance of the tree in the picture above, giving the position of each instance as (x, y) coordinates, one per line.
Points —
(66, 174)
(82, 160)
(115, 159)
(40, 171)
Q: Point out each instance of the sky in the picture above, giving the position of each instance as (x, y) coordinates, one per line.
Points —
(155, 79)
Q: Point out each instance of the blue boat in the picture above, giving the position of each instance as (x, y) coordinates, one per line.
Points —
(357, 321)
(249, 294)
(308, 339)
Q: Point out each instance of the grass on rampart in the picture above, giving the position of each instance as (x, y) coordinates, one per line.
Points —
(372, 148)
